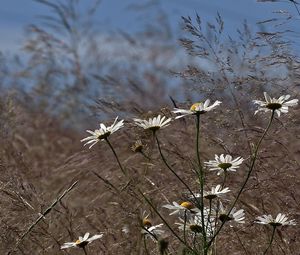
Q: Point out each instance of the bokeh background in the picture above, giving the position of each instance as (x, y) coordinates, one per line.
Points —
(67, 65)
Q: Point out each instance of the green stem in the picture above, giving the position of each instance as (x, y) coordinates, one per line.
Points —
(171, 169)
(116, 156)
(271, 240)
(254, 157)
(201, 177)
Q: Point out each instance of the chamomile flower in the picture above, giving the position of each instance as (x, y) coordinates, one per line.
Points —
(224, 163)
(280, 220)
(235, 215)
(152, 231)
(214, 192)
(138, 146)
(179, 208)
(280, 105)
(102, 133)
(82, 241)
(197, 108)
(193, 224)
(153, 124)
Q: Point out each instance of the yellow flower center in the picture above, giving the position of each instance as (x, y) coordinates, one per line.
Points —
(187, 205)
(147, 223)
(77, 241)
(194, 107)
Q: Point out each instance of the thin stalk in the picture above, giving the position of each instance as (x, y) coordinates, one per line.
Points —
(116, 156)
(254, 157)
(240, 241)
(42, 216)
(224, 179)
(201, 177)
(84, 250)
(194, 241)
(107, 182)
(171, 169)
(151, 234)
(165, 222)
(184, 227)
(295, 4)
(208, 217)
(271, 240)
(145, 246)
(147, 157)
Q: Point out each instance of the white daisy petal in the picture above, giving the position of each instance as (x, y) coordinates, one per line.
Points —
(102, 133)
(279, 105)
(153, 123)
(197, 108)
(279, 220)
(224, 163)
(81, 242)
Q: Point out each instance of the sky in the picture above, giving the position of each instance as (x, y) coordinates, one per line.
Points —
(114, 15)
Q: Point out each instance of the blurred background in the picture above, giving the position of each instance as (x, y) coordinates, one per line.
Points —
(67, 65)
(67, 55)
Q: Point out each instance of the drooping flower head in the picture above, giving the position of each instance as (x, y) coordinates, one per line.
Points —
(280, 220)
(193, 224)
(224, 163)
(280, 105)
(235, 215)
(102, 133)
(197, 108)
(185, 206)
(138, 146)
(82, 241)
(152, 231)
(214, 192)
(153, 124)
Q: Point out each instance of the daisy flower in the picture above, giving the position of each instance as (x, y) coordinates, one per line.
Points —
(137, 146)
(224, 163)
(82, 241)
(280, 105)
(214, 192)
(154, 232)
(153, 124)
(235, 215)
(280, 220)
(197, 108)
(102, 133)
(193, 224)
(183, 207)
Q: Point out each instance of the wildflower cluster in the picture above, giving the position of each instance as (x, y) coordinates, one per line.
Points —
(202, 216)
